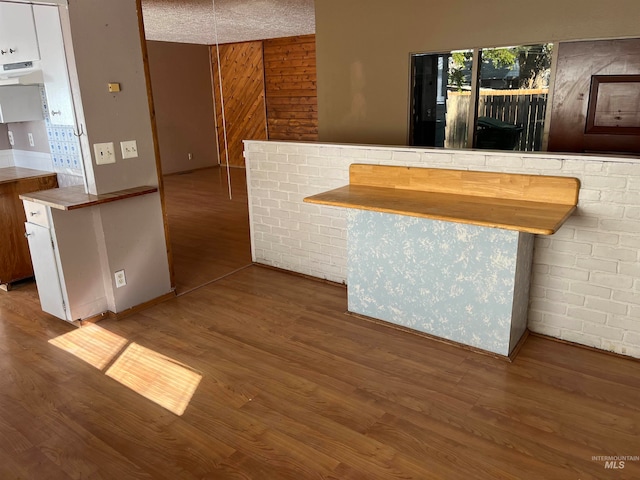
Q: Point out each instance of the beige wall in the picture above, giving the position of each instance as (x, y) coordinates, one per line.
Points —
(107, 48)
(21, 136)
(4, 139)
(363, 49)
(182, 95)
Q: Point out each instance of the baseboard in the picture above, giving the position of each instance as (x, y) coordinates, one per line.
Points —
(585, 347)
(129, 311)
(298, 274)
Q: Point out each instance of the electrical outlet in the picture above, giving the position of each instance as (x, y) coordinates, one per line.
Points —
(190, 156)
(31, 142)
(11, 140)
(104, 153)
(129, 149)
(121, 280)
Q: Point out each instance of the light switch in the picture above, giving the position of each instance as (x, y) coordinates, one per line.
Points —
(129, 149)
(104, 153)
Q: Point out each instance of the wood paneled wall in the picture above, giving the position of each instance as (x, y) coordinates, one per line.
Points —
(269, 90)
(290, 88)
(242, 71)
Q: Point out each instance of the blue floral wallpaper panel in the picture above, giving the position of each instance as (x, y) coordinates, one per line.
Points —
(450, 280)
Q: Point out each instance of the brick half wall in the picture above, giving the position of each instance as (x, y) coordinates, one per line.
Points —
(586, 278)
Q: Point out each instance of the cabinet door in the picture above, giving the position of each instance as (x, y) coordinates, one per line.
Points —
(18, 40)
(54, 65)
(45, 268)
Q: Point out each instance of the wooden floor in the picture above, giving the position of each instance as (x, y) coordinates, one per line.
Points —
(209, 232)
(293, 388)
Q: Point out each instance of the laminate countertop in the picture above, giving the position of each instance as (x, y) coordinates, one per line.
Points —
(12, 174)
(72, 198)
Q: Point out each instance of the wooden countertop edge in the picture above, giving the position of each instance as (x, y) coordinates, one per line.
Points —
(563, 213)
(73, 198)
(20, 173)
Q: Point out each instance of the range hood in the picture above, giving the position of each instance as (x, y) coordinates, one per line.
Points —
(22, 73)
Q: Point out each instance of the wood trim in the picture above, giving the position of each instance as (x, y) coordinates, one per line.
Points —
(156, 144)
(584, 347)
(301, 275)
(125, 313)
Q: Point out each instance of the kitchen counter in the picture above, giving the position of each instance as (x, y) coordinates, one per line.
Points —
(73, 198)
(13, 174)
(15, 260)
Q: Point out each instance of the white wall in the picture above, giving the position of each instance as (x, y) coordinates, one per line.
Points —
(586, 282)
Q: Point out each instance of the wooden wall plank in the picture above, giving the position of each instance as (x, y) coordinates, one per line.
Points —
(244, 103)
(290, 88)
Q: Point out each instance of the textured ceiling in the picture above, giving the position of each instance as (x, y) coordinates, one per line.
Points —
(194, 21)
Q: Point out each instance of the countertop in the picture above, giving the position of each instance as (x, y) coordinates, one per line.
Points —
(72, 198)
(526, 203)
(12, 174)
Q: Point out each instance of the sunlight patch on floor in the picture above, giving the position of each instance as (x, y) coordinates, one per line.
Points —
(93, 344)
(156, 377)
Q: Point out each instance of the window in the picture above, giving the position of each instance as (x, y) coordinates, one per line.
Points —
(504, 109)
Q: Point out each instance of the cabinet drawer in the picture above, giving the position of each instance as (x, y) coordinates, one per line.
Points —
(36, 213)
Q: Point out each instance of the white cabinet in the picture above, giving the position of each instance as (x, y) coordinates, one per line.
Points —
(18, 39)
(20, 103)
(66, 265)
(54, 65)
(45, 269)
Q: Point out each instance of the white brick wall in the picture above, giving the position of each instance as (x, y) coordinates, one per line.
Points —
(586, 281)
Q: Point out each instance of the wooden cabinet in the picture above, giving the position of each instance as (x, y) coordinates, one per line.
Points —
(18, 39)
(54, 65)
(15, 261)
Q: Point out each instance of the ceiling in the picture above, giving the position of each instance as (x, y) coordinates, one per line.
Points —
(198, 21)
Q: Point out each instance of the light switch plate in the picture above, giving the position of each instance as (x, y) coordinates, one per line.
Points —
(104, 153)
(129, 149)
(11, 140)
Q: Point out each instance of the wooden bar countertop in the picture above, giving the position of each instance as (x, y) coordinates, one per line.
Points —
(527, 203)
(72, 198)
